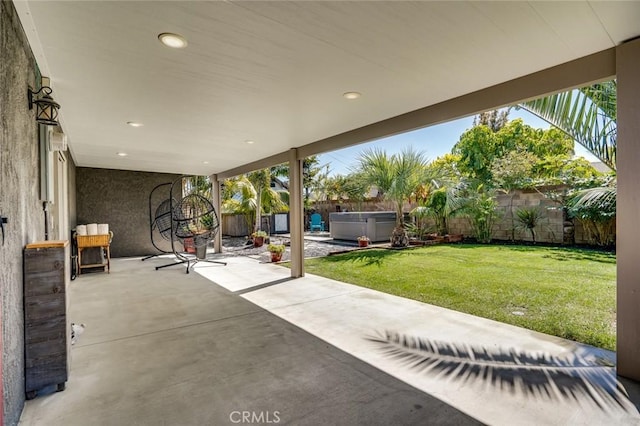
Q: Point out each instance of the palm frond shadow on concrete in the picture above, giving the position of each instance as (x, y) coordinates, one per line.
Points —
(533, 375)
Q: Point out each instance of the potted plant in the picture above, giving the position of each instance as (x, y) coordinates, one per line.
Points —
(363, 241)
(276, 251)
(258, 238)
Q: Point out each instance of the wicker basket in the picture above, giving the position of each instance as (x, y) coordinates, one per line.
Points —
(93, 240)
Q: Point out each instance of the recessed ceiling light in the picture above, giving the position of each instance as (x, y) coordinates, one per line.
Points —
(250, 142)
(134, 124)
(205, 162)
(351, 95)
(175, 41)
(122, 154)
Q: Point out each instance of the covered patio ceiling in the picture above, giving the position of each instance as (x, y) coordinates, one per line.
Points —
(275, 72)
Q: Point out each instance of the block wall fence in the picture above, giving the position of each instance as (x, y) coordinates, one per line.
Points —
(554, 228)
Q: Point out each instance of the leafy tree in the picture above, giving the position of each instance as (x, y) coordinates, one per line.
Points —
(553, 142)
(197, 184)
(311, 173)
(495, 120)
(446, 168)
(479, 147)
(561, 169)
(516, 135)
(352, 188)
(513, 170)
(396, 176)
(476, 150)
(332, 187)
(280, 170)
(355, 187)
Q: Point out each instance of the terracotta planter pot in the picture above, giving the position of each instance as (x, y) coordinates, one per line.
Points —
(189, 245)
(276, 257)
(258, 241)
(363, 243)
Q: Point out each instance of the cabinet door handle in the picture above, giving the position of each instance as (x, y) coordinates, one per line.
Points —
(56, 289)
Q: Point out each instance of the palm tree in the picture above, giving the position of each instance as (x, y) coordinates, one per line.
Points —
(588, 115)
(251, 194)
(396, 177)
(197, 184)
(261, 181)
(239, 197)
(596, 209)
(443, 203)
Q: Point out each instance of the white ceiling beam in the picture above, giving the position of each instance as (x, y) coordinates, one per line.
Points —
(577, 73)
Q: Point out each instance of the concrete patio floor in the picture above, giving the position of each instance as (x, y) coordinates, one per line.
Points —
(164, 347)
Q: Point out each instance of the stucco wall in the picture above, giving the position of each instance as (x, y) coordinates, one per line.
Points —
(121, 199)
(19, 197)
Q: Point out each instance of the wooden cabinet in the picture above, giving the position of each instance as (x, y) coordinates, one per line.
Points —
(47, 329)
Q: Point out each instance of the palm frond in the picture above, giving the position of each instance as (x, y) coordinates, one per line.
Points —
(273, 201)
(376, 167)
(533, 374)
(587, 115)
(601, 198)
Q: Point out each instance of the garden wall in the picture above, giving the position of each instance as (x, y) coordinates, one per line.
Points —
(552, 229)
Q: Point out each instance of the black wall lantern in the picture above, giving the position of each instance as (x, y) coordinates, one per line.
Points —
(46, 107)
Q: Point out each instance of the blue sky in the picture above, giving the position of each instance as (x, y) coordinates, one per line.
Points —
(434, 141)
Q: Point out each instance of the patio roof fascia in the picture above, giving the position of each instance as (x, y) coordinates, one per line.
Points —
(580, 72)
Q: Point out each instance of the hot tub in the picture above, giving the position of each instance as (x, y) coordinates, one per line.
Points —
(378, 226)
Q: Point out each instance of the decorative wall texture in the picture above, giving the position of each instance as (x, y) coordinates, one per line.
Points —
(121, 199)
(19, 198)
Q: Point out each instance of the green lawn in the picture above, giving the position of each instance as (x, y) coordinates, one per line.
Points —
(569, 293)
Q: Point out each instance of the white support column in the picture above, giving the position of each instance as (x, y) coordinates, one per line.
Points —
(296, 214)
(216, 194)
(628, 209)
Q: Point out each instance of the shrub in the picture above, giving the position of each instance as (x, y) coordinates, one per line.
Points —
(276, 248)
(480, 209)
(528, 218)
(595, 208)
